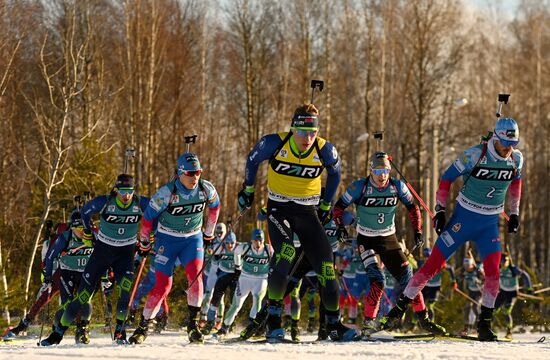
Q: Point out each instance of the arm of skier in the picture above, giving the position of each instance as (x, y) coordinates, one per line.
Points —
(350, 196)
(463, 165)
(407, 199)
(214, 207)
(514, 193)
(260, 152)
(158, 203)
(332, 163)
(91, 208)
(53, 253)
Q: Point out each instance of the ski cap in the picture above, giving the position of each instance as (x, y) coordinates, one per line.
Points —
(231, 238)
(258, 235)
(306, 117)
(380, 159)
(221, 229)
(76, 219)
(124, 181)
(507, 131)
(188, 162)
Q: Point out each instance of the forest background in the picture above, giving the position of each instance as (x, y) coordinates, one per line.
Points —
(81, 81)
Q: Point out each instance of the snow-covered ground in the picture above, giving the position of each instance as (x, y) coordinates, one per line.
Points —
(174, 345)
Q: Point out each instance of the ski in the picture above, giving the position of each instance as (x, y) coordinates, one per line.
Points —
(458, 337)
(392, 338)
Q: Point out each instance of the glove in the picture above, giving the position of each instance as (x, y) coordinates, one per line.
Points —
(323, 212)
(454, 285)
(144, 247)
(341, 233)
(418, 240)
(206, 239)
(262, 215)
(529, 291)
(245, 197)
(439, 219)
(513, 223)
(47, 285)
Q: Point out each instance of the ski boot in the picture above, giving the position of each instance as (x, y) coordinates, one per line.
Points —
(370, 326)
(20, 329)
(207, 329)
(294, 331)
(224, 329)
(275, 331)
(193, 331)
(82, 334)
(55, 337)
(255, 325)
(395, 315)
(160, 323)
(484, 331)
(428, 325)
(338, 331)
(141, 332)
(310, 324)
(120, 334)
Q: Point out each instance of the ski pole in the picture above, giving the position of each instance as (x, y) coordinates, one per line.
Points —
(45, 314)
(136, 283)
(412, 189)
(138, 277)
(105, 310)
(205, 265)
(466, 296)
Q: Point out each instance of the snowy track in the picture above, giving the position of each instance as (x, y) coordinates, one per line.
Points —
(172, 345)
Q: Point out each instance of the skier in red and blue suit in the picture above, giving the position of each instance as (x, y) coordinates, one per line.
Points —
(179, 207)
(490, 171)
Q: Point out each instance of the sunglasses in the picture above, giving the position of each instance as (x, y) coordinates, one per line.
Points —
(508, 143)
(125, 191)
(380, 171)
(305, 133)
(190, 173)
